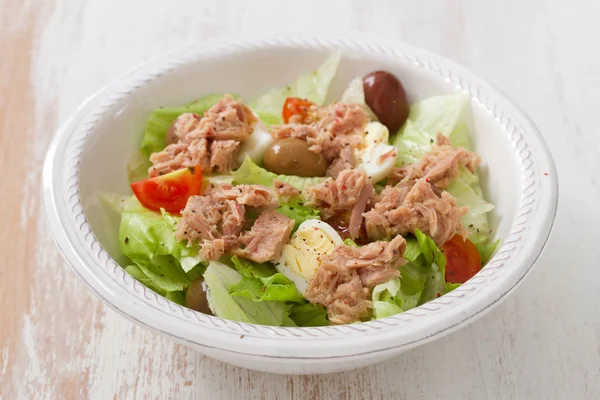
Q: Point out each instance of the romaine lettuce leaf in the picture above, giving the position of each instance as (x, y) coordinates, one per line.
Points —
(161, 118)
(312, 86)
(251, 174)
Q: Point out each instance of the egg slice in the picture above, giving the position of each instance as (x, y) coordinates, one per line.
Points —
(300, 257)
(377, 157)
(257, 143)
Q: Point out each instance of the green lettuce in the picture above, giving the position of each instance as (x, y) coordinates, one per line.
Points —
(312, 86)
(350, 243)
(355, 94)
(220, 279)
(273, 288)
(449, 116)
(161, 118)
(484, 246)
(251, 174)
(421, 280)
(296, 210)
(148, 239)
(261, 282)
(308, 314)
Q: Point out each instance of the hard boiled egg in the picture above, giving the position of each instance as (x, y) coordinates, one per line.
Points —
(257, 144)
(300, 257)
(377, 157)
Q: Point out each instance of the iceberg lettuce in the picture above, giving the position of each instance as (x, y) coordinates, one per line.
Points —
(312, 86)
(449, 116)
(220, 280)
(421, 280)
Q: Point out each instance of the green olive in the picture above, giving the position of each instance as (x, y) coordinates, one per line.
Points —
(292, 157)
(195, 297)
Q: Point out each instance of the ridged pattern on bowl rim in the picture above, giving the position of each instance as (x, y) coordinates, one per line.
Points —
(509, 248)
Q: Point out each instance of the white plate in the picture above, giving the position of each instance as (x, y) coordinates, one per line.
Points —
(90, 152)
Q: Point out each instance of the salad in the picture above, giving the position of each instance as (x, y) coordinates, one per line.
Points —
(287, 211)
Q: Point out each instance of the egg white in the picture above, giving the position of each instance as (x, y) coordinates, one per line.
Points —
(377, 157)
(256, 145)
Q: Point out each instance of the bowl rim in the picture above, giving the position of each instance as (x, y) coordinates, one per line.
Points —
(520, 250)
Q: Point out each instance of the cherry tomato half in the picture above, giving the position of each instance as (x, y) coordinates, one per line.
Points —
(295, 106)
(462, 259)
(170, 191)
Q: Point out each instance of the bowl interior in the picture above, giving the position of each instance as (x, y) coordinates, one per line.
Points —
(248, 73)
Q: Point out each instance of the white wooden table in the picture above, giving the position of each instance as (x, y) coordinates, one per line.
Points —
(58, 341)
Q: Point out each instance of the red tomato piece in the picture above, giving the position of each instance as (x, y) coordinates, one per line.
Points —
(170, 191)
(295, 106)
(462, 259)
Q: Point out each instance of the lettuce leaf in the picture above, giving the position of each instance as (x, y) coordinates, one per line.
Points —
(220, 279)
(467, 191)
(251, 174)
(161, 118)
(262, 282)
(350, 243)
(148, 239)
(276, 287)
(485, 246)
(308, 315)
(297, 211)
(449, 116)
(420, 281)
(355, 94)
(312, 86)
(251, 269)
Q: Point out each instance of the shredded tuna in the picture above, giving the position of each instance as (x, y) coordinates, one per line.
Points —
(255, 196)
(233, 218)
(264, 242)
(343, 281)
(414, 205)
(356, 217)
(229, 119)
(180, 155)
(223, 155)
(345, 160)
(339, 194)
(199, 219)
(342, 119)
(212, 249)
(285, 190)
(438, 166)
(212, 142)
(297, 131)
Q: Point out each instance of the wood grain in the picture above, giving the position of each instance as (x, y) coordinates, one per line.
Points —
(58, 341)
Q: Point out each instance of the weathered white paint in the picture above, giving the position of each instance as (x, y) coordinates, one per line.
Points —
(543, 342)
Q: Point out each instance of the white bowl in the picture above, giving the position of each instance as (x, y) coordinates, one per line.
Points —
(90, 152)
